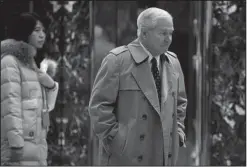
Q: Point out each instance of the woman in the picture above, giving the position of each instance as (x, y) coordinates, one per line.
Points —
(27, 94)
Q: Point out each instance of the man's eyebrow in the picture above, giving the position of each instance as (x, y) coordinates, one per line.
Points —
(39, 27)
(167, 29)
(171, 29)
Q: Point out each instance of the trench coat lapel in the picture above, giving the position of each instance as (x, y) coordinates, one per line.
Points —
(143, 75)
(171, 76)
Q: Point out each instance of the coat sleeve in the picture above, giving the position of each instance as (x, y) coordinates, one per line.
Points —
(51, 95)
(103, 100)
(181, 105)
(11, 107)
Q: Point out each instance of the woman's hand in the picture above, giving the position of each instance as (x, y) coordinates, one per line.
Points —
(49, 66)
(45, 80)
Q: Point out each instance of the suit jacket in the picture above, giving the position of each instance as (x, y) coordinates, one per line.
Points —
(132, 127)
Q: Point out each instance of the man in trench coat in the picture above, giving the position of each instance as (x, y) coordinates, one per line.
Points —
(138, 103)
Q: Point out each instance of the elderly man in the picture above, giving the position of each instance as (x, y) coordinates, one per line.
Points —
(138, 100)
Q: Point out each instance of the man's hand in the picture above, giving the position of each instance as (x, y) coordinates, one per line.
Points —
(181, 139)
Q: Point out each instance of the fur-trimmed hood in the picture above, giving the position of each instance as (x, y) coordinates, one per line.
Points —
(21, 50)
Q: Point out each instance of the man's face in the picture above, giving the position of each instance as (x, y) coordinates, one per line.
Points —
(37, 38)
(159, 38)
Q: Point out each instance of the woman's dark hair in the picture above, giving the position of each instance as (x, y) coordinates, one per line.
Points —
(22, 26)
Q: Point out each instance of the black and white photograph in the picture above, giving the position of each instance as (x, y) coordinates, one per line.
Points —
(123, 83)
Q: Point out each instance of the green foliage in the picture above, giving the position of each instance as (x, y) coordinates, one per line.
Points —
(229, 86)
(68, 43)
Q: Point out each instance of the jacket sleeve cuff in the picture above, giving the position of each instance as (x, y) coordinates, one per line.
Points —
(16, 154)
(51, 88)
(52, 97)
(15, 140)
(182, 138)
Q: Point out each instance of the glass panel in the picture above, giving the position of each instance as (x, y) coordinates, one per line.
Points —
(105, 31)
(8, 9)
(183, 46)
(126, 24)
(68, 43)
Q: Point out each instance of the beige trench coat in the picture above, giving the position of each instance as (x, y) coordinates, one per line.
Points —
(132, 127)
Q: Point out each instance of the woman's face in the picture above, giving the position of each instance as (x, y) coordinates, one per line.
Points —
(37, 38)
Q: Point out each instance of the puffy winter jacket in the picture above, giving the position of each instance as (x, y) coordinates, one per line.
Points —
(24, 104)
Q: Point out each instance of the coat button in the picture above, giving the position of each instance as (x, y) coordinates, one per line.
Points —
(139, 158)
(109, 138)
(144, 117)
(31, 134)
(169, 155)
(173, 115)
(144, 97)
(142, 137)
(171, 133)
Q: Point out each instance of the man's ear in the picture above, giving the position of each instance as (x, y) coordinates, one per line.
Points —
(144, 34)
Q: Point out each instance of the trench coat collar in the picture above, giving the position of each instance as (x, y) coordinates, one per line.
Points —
(143, 75)
(137, 52)
(140, 55)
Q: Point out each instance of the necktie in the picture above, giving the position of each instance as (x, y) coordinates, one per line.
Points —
(156, 75)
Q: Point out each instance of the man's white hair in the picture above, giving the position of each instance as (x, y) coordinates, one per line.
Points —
(148, 18)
